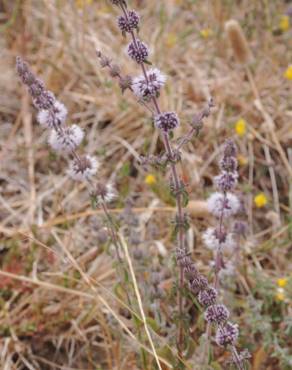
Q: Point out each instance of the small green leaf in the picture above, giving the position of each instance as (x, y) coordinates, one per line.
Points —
(125, 170)
(185, 196)
(166, 353)
(153, 324)
(138, 322)
(118, 290)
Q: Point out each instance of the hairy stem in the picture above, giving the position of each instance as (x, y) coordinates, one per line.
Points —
(218, 266)
(117, 244)
(179, 207)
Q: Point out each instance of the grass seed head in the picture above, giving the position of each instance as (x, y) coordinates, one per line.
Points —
(238, 41)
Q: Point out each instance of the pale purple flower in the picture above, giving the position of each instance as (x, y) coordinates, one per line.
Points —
(42, 98)
(217, 313)
(104, 192)
(230, 149)
(226, 181)
(129, 23)
(190, 271)
(83, 168)
(138, 51)
(166, 121)
(213, 239)
(66, 139)
(147, 89)
(53, 117)
(227, 204)
(227, 334)
(198, 283)
(207, 297)
(228, 164)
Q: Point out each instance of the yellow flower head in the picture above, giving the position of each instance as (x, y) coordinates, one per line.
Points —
(260, 200)
(206, 33)
(242, 160)
(240, 127)
(150, 179)
(288, 73)
(280, 295)
(282, 282)
(284, 23)
(171, 40)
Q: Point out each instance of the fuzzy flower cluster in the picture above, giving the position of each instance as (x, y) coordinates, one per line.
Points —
(147, 87)
(227, 334)
(63, 138)
(52, 115)
(128, 22)
(216, 314)
(166, 121)
(83, 168)
(67, 139)
(138, 51)
(51, 112)
(42, 98)
(223, 204)
(214, 238)
(103, 192)
(227, 179)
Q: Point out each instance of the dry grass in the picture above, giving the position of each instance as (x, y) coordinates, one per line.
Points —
(60, 306)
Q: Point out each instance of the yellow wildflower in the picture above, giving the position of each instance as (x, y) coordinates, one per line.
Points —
(150, 179)
(240, 127)
(242, 160)
(288, 73)
(206, 33)
(280, 295)
(284, 23)
(282, 282)
(171, 40)
(260, 200)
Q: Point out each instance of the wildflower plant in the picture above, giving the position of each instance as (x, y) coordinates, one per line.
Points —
(166, 122)
(52, 115)
(65, 139)
(223, 204)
